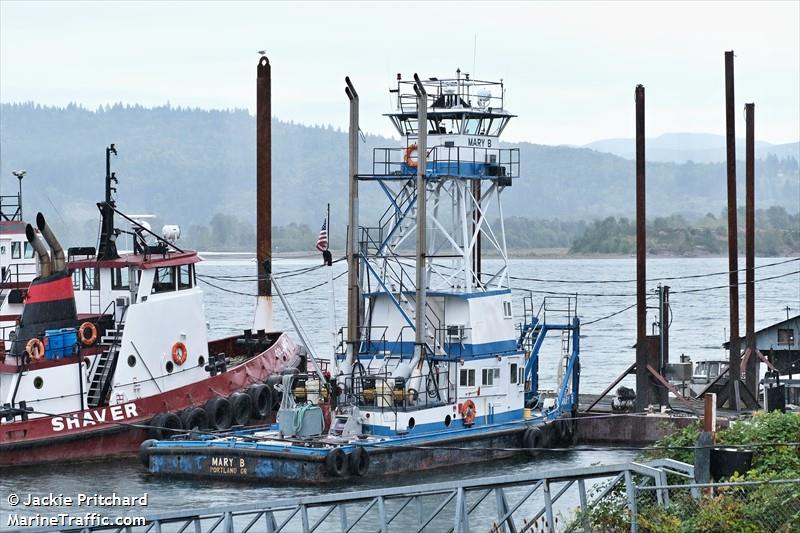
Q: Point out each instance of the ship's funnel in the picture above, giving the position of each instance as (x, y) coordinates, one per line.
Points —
(45, 265)
(59, 261)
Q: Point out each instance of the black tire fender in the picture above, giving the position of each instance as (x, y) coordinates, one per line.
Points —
(533, 441)
(261, 397)
(358, 461)
(164, 426)
(336, 462)
(220, 413)
(194, 417)
(242, 406)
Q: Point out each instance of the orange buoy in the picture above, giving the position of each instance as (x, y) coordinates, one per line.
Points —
(410, 149)
(179, 353)
(91, 337)
(35, 349)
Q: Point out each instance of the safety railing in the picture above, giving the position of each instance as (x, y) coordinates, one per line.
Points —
(446, 161)
(533, 501)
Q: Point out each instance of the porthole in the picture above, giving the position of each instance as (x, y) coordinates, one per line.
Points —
(411, 423)
(170, 367)
(201, 361)
(131, 361)
(447, 420)
(38, 382)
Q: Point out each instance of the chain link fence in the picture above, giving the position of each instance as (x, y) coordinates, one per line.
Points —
(754, 506)
(746, 507)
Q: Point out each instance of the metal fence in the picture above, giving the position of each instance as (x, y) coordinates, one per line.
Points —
(633, 497)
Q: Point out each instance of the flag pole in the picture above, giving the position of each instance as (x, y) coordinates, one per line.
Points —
(331, 297)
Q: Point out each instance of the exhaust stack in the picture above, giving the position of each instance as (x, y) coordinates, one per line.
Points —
(59, 260)
(45, 264)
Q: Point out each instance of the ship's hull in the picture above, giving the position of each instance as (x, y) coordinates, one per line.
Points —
(118, 430)
(303, 465)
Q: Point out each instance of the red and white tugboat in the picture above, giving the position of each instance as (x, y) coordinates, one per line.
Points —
(110, 349)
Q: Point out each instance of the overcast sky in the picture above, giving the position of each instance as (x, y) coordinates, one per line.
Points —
(570, 68)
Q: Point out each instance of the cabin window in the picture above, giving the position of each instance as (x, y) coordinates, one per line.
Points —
(120, 279)
(472, 126)
(467, 377)
(513, 374)
(184, 277)
(507, 309)
(91, 279)
(16, 250)
(489, 375)
(28, 250)
(76, 279)
(785, 336)
(164, 279)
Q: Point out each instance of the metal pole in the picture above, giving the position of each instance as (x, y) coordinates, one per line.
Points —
(353, 292)
(734, 371)
(642, 379)
(264, 173)
(422, 161)
(476, 217)
(666, 317)
(262, 319)
(750, 250)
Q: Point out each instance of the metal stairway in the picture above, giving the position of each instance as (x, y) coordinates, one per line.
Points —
(105, 367)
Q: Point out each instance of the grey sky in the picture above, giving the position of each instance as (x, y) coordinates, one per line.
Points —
(570, 68)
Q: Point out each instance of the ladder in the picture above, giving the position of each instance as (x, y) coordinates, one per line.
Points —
(105, 367)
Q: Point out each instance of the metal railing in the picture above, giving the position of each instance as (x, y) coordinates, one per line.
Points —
(457, 161)
(534, 501)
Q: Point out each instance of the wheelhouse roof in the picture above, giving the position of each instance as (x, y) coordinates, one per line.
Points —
(138, 260)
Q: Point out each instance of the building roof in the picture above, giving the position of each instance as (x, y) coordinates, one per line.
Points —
(762, 330)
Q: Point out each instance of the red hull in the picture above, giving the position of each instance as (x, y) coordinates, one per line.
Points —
(106, 432)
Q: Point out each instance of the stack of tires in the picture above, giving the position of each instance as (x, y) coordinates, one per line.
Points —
(339, 463)
(252, 405)
(556, 434)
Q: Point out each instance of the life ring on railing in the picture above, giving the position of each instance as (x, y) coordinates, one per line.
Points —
(410, 149)
(179, 353)
(468, 411)
(35, 349)
(88, 340)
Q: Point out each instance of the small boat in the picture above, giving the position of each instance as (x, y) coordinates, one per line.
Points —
(433, 369)
(111, 348)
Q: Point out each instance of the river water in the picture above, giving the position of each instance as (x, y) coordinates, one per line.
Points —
(698, 328)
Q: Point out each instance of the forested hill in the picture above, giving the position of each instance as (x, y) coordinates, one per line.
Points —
(186, 165)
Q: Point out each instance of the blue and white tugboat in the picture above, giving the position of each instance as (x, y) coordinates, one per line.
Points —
(433, 370)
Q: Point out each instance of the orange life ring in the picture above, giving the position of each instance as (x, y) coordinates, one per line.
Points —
(35, 349)
(410, 149)
(468, 411)
(88, 341)
(179, 353)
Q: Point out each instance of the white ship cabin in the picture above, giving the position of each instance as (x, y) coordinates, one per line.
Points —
(17, 258)
(470, 370)
(151, 335)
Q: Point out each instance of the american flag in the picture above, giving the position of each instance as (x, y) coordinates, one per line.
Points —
(322, 240)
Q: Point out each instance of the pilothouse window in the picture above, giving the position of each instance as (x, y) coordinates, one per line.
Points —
(120, 279)
(164, 280)
(185, 277)
(28, 250)
(91, 279)
(16, 250)
(472, 126)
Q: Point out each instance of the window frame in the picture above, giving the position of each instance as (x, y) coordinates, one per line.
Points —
(16, 249)
(116, 279)
(785, 336)
(160, 287)
(512, 376)
(96, 282)
(76, 279)
(190, 278)
(469, 374)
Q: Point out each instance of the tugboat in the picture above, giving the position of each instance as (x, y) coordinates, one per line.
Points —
(111, 348)
(431, 371)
